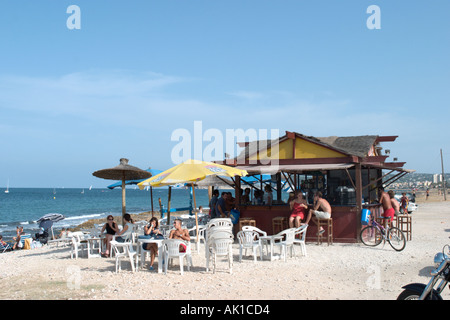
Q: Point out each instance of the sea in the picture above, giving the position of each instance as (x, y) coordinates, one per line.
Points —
(24, 206)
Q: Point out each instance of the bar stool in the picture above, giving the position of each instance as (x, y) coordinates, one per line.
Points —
(327, 225)
(404, 223)
(279, 224)
(246, 222)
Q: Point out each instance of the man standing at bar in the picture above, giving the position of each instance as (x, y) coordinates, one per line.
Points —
(385, 201)
(221, 206)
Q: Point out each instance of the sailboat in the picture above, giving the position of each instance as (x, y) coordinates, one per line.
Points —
(7, 187)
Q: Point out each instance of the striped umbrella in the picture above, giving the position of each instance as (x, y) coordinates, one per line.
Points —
(55, 217)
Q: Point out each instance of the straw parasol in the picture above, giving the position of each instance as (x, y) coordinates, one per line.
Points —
(122, 172)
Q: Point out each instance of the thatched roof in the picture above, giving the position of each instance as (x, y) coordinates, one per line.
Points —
(354, 145)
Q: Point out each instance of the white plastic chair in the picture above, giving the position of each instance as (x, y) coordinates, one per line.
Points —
(249, 240)
(223, 232)
(219, 222)
(127, 253)
(301, 232)
(77, 245)
(288, 242)
(200, 238)
(251, 228)
(222, 248)
(172, 250)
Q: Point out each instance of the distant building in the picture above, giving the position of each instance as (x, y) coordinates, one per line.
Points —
(437, 178)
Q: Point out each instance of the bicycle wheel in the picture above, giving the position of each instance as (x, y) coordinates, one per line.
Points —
(396, 239)
(371, 236)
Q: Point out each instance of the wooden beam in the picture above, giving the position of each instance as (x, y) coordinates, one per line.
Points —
(337, 160)
(386, 138)
(376, 159)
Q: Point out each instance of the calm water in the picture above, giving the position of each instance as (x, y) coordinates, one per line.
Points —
(23, 206)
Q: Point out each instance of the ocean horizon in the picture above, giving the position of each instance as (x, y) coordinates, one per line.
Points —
(24, 206)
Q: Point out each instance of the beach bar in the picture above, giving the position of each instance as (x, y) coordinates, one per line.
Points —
(347, 170)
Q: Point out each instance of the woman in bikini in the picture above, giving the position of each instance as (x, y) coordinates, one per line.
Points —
(298, 207)
(111, 228)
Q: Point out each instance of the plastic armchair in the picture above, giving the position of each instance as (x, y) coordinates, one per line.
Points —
(301, 233)
(251, 228)
(77, 245)
(219, 222)
(222, 248)
(201, 236)
(172, 250)
(218, 233)
(249, 240)
(127, 252)
(288, 242)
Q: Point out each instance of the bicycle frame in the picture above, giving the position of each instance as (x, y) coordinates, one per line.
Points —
(393, 235)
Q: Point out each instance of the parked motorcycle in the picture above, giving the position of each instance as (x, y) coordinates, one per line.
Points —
(419, 291)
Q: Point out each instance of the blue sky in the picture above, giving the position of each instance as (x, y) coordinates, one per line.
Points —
(75, 101)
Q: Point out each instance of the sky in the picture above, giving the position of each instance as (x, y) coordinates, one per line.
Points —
(76, 100)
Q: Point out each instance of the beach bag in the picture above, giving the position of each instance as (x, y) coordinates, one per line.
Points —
(365, 216)
(234, 215)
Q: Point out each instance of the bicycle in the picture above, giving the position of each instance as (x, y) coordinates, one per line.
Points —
(374, 233)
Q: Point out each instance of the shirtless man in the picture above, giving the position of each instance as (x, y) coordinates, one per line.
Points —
(181, 234)
(385, 201)
(395, 204)
(323, 213)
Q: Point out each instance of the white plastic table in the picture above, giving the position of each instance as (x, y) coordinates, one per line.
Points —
(269, 240)
(159, 243)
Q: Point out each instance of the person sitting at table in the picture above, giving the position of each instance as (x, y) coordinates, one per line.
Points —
(125, 233)
(152, 230)
(180, 233)
(299, 210)
(111, 228)
(323, 213)
(62, 234)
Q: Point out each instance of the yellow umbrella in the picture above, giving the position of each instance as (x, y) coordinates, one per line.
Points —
(190, 171)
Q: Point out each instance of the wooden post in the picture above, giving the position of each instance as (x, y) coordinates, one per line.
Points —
(151, 196)
(168, 205)
(237, 191)
(195, 209)
(124, 210)
(160, 208)
(358, 185)
(443, 177)
(278, 175)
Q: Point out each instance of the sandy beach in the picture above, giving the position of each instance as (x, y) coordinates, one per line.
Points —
(336, 272)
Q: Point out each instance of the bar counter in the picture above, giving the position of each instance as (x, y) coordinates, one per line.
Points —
(344, 220)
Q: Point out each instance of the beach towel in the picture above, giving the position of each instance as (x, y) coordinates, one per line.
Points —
(27, 244)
